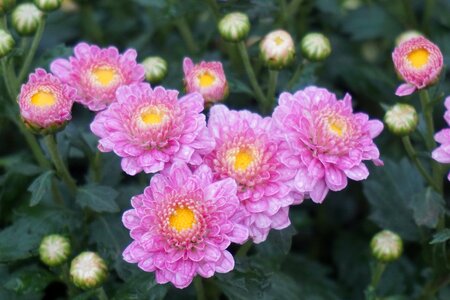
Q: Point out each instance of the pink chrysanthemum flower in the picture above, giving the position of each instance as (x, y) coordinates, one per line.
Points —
(97, 73)
(151, 128)
(442, 153)
(419, 62)
(246, 151)
(183, 224)
(45, 102)
(206, 78)
(327, 141)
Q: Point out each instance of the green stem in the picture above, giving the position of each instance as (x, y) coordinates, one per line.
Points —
(377, 272)
(297, 74)
(30, 55)
(8, 80)
(60, 167)
(199, 288)
(411, 18)
(4, 23)
(250, 73)
(273, 79)
(65, 276)
(102, 294)
(186, 34)
(244, 249)
(34, 146)
(413, 155)
(427, 110)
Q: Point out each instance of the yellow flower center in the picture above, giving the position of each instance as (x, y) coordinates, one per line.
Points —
(337, 127)
(278, 40)
(243, 160)
(182, 219)
(152, 116)
(104, 76)
(206, 79)
(418, 58)
(43, 99)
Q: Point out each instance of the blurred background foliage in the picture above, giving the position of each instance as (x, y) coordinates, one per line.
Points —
(325, 253)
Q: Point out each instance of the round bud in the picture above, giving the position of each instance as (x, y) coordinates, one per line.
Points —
(401, 119)
(26, 19)
(234, 27)
(315, 46)
(54, 250)
(88, 270)
(6, 43)
(386, 246)
(48, 5)
(277, 49)
(6, 6)
(155, 69)
(351, 4)
(406, 36)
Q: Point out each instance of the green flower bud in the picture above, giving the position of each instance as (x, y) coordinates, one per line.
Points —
(155, 69)
(6, 43)
(407, 35)
(6, 6)
(315, 46)
(88, 270)
(234, 27)
(48, 5)
(386, 246)
(54, 250)
(401, 119)
(277, 49)
(26, 19)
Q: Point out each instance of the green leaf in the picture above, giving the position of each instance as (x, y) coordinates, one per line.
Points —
(441, 236)
(40, 187)
(428, 206)
(141, 286)
(277, 246)
(30, 279)
(98, 198)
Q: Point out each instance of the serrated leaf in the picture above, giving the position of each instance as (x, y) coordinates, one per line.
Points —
(98, 198)
(441, 236)
(40, 187)
(141, 286)
(31, 279)
(428, 206)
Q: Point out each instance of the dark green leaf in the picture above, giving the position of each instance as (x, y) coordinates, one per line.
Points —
(428, 206)
(441, 236)
(31, 279)
(40, 187)
(98, 198)
(141, 286)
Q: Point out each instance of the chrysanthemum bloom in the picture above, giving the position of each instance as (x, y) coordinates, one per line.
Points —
(151, 128)
(327, 141)
(206, 78)
(419, 62)
(97, 73)
(442, 153)
(277, 49)
(45, 102)
(182, 225)
(246, 151)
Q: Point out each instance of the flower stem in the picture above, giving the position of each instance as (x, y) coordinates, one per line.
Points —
(8, 80)
(30, 55)
(60, 167)
(199, 288)
(4, 23)
(102, 294)
(413, 155)
(427, 110)
(377, 272)
(244, 249)
(273, 79)
(297, 74)
(250, 73)
(185, 32)
(409, 13)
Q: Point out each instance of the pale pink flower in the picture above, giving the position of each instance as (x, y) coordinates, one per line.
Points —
(246, 151)
(182, 225)
(327, 141)
(45, 102)
(419, 62)
(206, 78)
(442, 153)
(151, 128)
(97, 73)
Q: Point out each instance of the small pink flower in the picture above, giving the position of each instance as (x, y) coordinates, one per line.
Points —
(45, 102)
(327, 141)
(97, 73)
(206, 78)
(442, 153)
(246, 151)
(151, 128)
(182, 225)
(419, 62)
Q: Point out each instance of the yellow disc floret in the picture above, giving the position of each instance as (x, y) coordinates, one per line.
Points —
(152, 117)
(278, 41)
(182, 219)
(206, 79)
(243, 160)
(104, 76)
(42, 98)
(418, 58)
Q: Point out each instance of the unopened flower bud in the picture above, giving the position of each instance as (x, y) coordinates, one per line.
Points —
(234, 27)
(88, 270)
(351, 4)
(6, 6)
(54, 250)
(48, 5)
(6, 43)
(155, 69)
(401, 119)
(406, 36)
(277, 49)
(26, 19)
(315, 46)
(386, 246)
